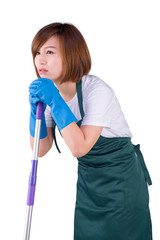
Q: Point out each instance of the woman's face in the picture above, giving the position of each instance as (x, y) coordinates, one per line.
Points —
(48, 60)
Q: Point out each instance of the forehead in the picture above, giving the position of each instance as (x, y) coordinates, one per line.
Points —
(51, 42)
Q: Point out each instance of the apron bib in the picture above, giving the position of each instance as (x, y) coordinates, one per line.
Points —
(112, 201)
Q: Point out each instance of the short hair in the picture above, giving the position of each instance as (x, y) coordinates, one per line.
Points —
(75, 53)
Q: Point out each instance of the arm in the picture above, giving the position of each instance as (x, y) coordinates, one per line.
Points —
(45, 144)
(80, 140)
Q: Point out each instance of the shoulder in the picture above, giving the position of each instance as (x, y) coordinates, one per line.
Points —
(96, 87)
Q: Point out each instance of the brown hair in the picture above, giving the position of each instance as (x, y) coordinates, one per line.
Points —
(75, 54)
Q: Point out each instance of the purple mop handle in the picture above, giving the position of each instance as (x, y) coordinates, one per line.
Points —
(33, 174)
(39, 111)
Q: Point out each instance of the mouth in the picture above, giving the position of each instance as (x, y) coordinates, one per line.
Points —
(42, 71)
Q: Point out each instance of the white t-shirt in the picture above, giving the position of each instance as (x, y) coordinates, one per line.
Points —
(101, 108)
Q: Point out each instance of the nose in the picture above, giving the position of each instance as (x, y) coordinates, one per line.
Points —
(42, 59)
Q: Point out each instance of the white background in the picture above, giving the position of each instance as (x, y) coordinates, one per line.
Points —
(124, 40)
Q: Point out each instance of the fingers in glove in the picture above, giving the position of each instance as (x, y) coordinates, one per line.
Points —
(34, 86)
(33, 99)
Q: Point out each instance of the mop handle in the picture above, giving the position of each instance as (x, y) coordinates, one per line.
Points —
(33, 174)
(39, 110)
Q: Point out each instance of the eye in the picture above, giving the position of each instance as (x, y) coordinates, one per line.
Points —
(50, 52)
(37, 53)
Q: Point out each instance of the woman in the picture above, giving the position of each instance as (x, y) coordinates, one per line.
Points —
(112, 194)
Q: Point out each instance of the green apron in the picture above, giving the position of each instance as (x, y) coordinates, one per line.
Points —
(112, 201)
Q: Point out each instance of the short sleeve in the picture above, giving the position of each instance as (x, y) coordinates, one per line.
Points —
(98, 99)
(48, 117)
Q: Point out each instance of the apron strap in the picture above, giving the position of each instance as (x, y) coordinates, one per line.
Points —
(141, 159)
(80, 98)
(54, 137)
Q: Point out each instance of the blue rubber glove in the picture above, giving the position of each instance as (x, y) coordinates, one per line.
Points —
(33, 99)
(47, 92)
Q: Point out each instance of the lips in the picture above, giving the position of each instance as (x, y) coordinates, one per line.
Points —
(42, 70)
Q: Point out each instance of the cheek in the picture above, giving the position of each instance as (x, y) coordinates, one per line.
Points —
(35, 62)
(56, 66)
(60, 64)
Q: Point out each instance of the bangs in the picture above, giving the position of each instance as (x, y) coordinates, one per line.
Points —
(43, 35)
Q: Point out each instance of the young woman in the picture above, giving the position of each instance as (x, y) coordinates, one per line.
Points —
(112, 193)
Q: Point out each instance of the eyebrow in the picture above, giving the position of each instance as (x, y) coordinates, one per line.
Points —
(50, 47)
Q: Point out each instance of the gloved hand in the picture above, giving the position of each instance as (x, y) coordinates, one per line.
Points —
(47, 92)
(33, 102)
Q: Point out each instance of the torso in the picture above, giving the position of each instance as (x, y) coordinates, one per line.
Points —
(101, 108)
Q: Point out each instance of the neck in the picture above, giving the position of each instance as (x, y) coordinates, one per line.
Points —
(67, 90)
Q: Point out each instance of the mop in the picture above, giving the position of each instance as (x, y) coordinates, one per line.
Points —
(33, 173)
